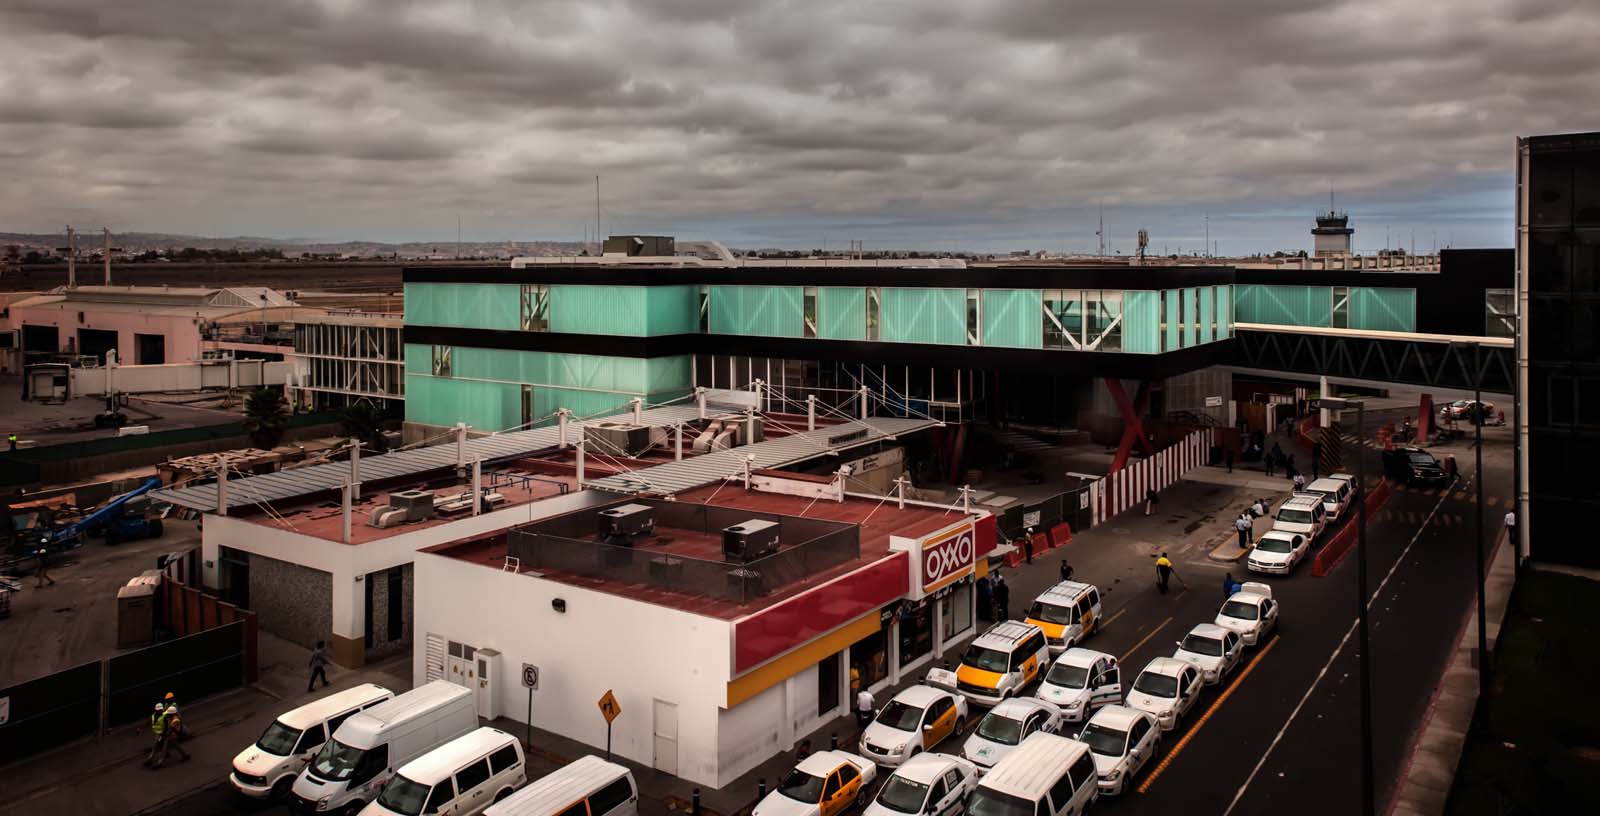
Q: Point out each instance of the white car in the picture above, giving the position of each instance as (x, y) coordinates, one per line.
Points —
(1006, 726)
(916, 720)
(826, 783)
(1278, 553)
(927, 785)
(1166, 690)
(1212, 649)
(1080, 681)
(1121, 740)
(1251, 613)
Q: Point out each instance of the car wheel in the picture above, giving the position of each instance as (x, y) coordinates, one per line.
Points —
(961, 726)
(504, 792)
(354, 808)
(280, 788)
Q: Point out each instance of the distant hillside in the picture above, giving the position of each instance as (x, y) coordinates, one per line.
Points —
(134, 243)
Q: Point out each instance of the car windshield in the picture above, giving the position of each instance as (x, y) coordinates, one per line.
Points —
(336, 761)
(1423, 459)
(1156, 685)
(1294, 516)
(404, 796)
(1050, 613)
(802, 787)
(1202, 645)
(1072, 677)
(1104, 741)
(987, 802)
(1240, 610)
(279, 739)
(1003, 730)
(992, 660)
(900, 716)
(1274, 545)
(901, 794)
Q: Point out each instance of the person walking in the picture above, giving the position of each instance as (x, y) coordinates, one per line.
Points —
(1229, 586)
(1299, 482)
(1066, 570)
(1002, 598)
(1027, 544)
(319, 665)
(1511, 525)
(985, 597)
(1243, 526)
(169, 738)
(43, 570)
(1163, 572)
(158, 729)
(863, 708)
(1151, 499)
(1227, 456)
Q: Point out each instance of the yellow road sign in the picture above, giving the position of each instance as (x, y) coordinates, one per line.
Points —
(609, 707)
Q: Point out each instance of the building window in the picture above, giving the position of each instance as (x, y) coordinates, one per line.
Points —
(704, 325)
(974, 317)
(810, 308)
(957, 611)
(1500, 312)
(1216, 310)
(872, 313)
(535, 307)
(1341, 307)
(1161, 320)
(916, 632)
(1194, 314)
(1063, 318)
(441, 361)
(1103, 331)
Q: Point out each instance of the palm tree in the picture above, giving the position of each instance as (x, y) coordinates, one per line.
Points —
(364, 423)
(266, 417)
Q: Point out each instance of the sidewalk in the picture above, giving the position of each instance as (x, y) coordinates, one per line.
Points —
(107, 775)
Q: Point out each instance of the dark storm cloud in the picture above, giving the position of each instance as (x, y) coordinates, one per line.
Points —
(995, 114)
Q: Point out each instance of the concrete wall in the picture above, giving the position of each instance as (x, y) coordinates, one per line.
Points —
(182, 332)
(384, 642)
(1188, 392)
(291, 601)
(639, 651)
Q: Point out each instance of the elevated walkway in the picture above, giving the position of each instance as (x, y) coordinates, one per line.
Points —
(1448, 365)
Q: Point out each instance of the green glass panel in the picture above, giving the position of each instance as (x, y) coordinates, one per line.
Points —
(465, 305)
(842, 313)
(671, 310)
(1383, 309)
(1174, 298)
(1225, 306)
(1208, 299)
(759, 311)
(610, 310)
(1012, 318)
(1141, 326)
(925, 316)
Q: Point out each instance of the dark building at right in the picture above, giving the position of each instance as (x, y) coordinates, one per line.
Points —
(1558, 283)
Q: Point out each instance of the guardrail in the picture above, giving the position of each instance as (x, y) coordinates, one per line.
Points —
(1342, 542)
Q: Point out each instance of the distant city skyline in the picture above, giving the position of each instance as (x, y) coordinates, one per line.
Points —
(978, 125)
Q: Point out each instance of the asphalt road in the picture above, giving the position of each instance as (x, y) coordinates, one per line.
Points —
(1282, 734)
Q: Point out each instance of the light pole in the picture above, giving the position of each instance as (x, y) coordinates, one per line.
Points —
(1363, 648)
(1478, 543)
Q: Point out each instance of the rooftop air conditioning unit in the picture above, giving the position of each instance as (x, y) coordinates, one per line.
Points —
(749, 540)
(617, 438)
(627, 520)
(418, 504)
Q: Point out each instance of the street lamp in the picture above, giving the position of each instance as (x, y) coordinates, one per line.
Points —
(1477, 417)
(1363, 665)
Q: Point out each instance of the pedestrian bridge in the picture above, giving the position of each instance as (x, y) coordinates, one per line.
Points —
(1448, 365)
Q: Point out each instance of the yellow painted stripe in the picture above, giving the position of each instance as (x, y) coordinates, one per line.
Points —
(1145, 639)
(780, 669)
(1172, 754)
(1119, 613)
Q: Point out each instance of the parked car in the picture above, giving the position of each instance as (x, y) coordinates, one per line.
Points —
(1277, 552)
(1462, 409)
(916, 720)
(1166, 690)
(1006, 726)
(1212, 649)
(927, 785)
(1081, 680)
(1122, 740)
(1303, 514)
(1413, 466)
(826, 783)
(1251, 613)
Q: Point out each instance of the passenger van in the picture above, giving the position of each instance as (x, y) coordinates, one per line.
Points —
(1067, 612)
(359, 758)
(1335, 495)
(268, 768)
(589, 786)
(460, 777)
(1046, 775)
(1001, 662)
(1302, 514)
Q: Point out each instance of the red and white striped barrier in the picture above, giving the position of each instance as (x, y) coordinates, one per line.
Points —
(1126, 488)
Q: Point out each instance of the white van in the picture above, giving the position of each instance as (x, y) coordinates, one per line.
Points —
(355, 763)
(589, 786)
(268, 768)
(1046, 775)
(1335, 495)
(1067, 612)
(1001, 662)
(460, 777)
(1303, 514)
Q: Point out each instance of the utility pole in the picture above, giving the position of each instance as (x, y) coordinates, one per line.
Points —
(1208, 235)
(1477, 542)
(1101, 232)
(105, 253)
(597, 239)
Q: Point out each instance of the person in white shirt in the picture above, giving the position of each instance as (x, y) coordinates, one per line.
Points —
(863, 708)
(1511, 521)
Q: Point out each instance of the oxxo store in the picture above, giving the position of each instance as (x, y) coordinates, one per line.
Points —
(936, 614)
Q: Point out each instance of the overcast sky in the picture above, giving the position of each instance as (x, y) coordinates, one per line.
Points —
(979, 124)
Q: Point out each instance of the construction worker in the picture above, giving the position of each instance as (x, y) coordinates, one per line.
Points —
(11, 439)
(158, 729)
(1163, 572)
(169, 741)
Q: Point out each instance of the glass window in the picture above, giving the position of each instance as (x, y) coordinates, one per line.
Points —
(333, 724)
(610, 797)
(1224, 312)
(504, 758)
(847, 774)
(1194, 314)
(405, 796)
(957, 612)
(1083, 770)
(473, 775)
(1500, 312)
(872, 312)
(1104, 740)
(705, 309)
(1341, 307)
(1161, 308)
(1063, 318)
(974, 317)
(809, 297)
(899, 716)
(903, 795)
(832, 787)
(578, 808)
(441, 796)
(1061, 792)
(313, 737)
(372, 763)
(278, 739)
(1104, 319)
(990, 802)
(441, 361)
(535, 307)
(1182, 306)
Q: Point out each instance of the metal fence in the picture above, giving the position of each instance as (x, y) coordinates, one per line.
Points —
(555, 546)
(49, 711)
(1073, 507)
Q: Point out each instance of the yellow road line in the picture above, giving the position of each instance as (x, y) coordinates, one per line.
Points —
(1145, 639)
(1151, 777)
(1119, 613)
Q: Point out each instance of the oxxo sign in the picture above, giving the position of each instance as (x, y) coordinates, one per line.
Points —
(947, 556)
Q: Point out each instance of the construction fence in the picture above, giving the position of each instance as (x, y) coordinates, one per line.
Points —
(1127, 488)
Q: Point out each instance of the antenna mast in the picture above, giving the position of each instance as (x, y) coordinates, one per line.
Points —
(1101, 233)
(598, 240)
(72, 257)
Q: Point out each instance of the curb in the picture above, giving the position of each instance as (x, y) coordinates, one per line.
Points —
(1227, 542)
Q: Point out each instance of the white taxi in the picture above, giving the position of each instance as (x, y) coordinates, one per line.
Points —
(1121, 740)
(1166, 690)
(1212, 649)
(826, 783)
(1081, 680)
(916, 720)
(1278, 552)
(1006, 726)
(927, 785)
(1251, 613)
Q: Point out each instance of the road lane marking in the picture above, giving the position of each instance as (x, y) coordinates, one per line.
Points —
(1316, 681)
(1119, 613)
(1144, 640)
(1173, 752)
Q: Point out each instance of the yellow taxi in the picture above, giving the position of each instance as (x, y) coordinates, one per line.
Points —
(826, 783)
(916, 720)
(1068, 613)
(1001, 662)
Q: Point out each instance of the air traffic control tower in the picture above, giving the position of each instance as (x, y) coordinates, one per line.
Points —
(1332, 233)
